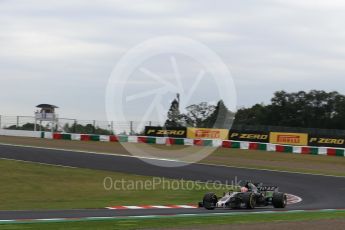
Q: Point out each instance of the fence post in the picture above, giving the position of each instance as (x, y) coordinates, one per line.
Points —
(57, 124)
(94, 127)
(0, 122)
(75, 126)
(131, 128)
(17, 122)
(112, 127)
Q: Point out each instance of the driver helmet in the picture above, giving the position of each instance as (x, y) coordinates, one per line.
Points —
(244, 189)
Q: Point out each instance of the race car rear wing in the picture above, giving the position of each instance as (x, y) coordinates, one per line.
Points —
(266, 188)
(261, 187)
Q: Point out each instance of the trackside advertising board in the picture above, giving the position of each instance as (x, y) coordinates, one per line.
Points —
(204, 133)
(327, 141)
(178, 132)
(289, 138)
(251, 136)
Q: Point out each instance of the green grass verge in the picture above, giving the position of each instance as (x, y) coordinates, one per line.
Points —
(175, 222)
(290, 162)
(35, 186)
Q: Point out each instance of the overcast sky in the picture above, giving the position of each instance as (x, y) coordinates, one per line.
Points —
(63, 52)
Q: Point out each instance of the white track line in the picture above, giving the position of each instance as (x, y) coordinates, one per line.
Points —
(292, 199)
(153, 207)
(160, 207)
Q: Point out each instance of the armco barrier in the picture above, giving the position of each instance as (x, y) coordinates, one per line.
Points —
(209, 143)
(329, 151)
(20, 133)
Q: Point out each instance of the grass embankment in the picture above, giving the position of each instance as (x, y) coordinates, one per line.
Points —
(233, 157)
(176, 222)
(319, 164)
(29, 186)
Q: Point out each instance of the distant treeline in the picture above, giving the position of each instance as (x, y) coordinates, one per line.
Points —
(314, 109)
(28, 126)
(85, 129)
(74, 128)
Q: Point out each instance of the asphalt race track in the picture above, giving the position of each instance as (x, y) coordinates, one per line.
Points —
(317, 192)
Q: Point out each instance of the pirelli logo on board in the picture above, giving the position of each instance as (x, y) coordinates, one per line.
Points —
(289, 138)
(204, 133)
(293, 139)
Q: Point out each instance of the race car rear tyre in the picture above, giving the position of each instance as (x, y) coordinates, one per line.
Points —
(279, 200)
(249, 200)
(210, 201)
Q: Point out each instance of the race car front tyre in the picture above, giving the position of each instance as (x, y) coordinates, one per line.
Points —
(279, 200)
(249, 200)
(210, 201)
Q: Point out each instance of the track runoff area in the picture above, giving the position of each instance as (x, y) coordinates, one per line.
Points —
(307, 192)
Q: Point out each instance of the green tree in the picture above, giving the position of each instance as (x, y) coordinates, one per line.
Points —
(197, 114)
(85, 129)
(221, 118)
(27, 126)
(174, 119)
(314, 109)
(252, 116)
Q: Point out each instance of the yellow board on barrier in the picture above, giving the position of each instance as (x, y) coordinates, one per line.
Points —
(204, 133)
(289, 138)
